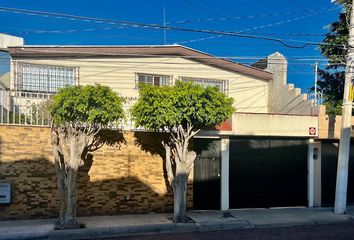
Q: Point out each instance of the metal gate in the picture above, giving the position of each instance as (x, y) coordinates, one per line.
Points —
(329, 160)
(206, 179)
(267, 172)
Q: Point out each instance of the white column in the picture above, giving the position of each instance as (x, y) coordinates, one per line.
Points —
(310, 173)
(318, 175)
(314, 173)
(225, 145)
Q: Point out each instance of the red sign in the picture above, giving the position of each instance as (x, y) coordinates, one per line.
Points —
(312, 131)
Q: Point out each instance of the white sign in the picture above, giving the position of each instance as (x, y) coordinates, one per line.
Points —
(5, 192)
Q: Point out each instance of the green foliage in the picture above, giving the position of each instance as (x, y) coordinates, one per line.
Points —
(168, 106)
(334, 107)
(95, 105)
(331, 78)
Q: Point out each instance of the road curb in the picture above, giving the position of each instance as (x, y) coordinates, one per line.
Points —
(108, 232)
(24, 236)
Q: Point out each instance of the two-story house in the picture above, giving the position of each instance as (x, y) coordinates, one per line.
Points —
(262, 157)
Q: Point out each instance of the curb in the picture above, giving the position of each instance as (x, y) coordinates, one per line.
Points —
(121, 231)
(108, 232)
(24, 236)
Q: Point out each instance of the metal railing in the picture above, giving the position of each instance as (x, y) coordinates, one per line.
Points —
(24, 108)
(31, 108)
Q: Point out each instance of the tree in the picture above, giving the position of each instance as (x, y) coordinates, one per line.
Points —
(334, 48)
(79, 113)
(180, 110)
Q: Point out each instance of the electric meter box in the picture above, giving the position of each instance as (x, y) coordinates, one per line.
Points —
(5, 192)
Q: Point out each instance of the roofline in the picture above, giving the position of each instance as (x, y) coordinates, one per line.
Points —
(45, 51)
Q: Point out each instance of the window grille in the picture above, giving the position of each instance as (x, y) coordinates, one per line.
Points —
(206, 82)
(43, 78)
(152, 79)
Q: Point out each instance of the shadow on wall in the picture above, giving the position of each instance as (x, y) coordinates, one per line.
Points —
(35, 191)
(151, 142)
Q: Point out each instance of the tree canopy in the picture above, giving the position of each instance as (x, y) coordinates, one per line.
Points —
(86, 105)
(161, 108)
(331, 80)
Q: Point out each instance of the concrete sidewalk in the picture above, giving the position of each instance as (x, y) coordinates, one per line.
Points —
(123, 225)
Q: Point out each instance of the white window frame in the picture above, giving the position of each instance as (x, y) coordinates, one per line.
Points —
(224, 83)
(168, 79)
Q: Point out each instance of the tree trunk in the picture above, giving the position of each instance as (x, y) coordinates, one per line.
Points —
(70, 213)
(180, 192)
(62, 192)
(179, 163)
(68, 147)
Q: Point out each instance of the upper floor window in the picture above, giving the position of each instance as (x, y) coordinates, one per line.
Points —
(206, 82)
(43, 78)
(153, 79)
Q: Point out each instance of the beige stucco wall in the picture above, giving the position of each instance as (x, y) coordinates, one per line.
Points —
(273, 125)
(251, 94)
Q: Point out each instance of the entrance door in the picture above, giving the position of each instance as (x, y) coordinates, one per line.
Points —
(206, 179)
(267, 172)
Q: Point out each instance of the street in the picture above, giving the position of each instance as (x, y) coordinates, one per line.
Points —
(325, 232)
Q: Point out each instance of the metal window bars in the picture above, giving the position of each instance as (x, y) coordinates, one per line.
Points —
(223, 85)
(43, 78)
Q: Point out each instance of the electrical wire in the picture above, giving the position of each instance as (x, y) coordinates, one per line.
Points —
(159, 27)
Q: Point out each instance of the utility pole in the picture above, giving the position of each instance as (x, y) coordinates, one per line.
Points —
(344, 144)
(316, 79)
(164, 24)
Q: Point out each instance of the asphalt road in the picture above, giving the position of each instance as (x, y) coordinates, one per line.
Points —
(322, 232)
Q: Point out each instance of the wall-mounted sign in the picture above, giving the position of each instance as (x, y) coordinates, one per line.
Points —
(312, 131)
(5, 192)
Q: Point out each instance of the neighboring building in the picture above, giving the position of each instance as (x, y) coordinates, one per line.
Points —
(262, 157)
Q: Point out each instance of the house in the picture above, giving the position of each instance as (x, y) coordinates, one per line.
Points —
(262, 157)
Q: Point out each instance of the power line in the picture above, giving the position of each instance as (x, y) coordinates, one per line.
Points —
(262, 26)
(241, 17)
(160, 27)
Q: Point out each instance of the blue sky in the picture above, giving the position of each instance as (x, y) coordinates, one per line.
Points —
(273, 18)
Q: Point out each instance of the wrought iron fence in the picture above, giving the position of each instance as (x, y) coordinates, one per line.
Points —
(24, 108)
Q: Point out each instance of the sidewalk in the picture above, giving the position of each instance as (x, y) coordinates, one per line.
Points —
(123, 225)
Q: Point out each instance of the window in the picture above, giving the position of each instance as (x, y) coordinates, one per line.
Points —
(206, 82)
(152, 79)
(43, 78)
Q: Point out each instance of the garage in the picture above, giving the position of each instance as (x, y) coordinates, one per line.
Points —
(267, 172)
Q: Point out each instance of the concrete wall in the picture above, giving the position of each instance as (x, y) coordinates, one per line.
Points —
(251, 94)
(330, 126)
(285, 98)
(10, 41)
(129, 179)
(273, 125)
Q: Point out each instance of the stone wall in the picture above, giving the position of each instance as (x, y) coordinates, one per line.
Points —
(125, 179)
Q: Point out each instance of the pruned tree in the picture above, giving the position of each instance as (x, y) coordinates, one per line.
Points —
(181, 110)
(79, 113)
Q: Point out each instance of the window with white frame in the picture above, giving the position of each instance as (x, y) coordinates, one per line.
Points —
(43, 78)
(206, 82)
(153, 79)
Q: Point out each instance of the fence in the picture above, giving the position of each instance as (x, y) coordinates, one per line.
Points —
(31, 108)
(24, 108)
